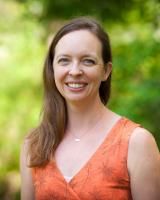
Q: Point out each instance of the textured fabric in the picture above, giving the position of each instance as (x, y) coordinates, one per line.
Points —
(104, 177)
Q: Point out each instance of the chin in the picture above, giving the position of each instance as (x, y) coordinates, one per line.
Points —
(75, 99)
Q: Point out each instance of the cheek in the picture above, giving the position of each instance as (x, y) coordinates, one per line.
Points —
(58, 85)
(59, 76)
(57, 79)
(95, 76)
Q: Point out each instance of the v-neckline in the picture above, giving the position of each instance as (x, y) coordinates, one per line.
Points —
(109, 135)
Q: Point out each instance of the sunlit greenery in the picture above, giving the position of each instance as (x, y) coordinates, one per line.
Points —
(26, 28)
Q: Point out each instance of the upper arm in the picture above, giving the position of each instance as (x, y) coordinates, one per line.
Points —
(144, 166)
(27, 188)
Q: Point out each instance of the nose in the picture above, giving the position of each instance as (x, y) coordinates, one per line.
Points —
(75, 70)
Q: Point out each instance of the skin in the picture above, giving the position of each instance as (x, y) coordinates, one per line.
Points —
(79, 65)
(78, 59)
(27, 188)
(144, 166)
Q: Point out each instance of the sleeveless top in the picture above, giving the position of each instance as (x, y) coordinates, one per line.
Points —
(104, 176)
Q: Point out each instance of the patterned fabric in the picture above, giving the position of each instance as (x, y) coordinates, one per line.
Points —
(104, 177)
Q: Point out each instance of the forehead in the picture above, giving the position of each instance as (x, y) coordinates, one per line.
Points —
(79, 41)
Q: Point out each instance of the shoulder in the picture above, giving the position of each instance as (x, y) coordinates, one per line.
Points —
(24, 158)
(142, 142)
(24, 155)
(27, 188)
(26, 148)
(142, 146)
(144, 165)
(24, 152)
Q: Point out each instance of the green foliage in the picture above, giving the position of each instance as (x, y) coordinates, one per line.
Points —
(136, 80)
(72, 8)
(110, 10)
(23, 44)
(21, 54)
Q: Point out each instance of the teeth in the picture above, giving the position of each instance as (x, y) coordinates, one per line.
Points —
(76, 85)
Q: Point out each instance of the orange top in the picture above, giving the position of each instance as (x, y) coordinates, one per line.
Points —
(104, 177)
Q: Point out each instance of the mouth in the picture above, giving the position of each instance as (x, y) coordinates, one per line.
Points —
(76, 85)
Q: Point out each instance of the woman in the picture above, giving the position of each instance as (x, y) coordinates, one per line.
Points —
(81, 149)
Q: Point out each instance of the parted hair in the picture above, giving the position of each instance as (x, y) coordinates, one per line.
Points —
(44, 139)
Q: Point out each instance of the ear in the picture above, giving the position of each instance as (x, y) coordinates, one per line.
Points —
(107, 71)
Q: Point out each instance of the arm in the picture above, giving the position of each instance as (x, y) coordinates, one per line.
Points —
(144, 166)
(27, 187)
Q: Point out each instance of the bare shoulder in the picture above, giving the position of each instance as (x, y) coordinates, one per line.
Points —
(144, 165)
(142, 144)
(142, 136)
(27, 188)
(24, 155)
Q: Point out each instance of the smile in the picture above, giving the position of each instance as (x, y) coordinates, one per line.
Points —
(76, 85)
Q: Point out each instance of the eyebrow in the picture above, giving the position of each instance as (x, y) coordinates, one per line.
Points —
(83, 56)
(61, 56)
(90, 55)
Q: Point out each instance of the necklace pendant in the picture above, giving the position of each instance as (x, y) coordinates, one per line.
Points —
(77, 140)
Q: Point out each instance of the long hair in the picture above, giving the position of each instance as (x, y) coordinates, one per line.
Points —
(43, 140)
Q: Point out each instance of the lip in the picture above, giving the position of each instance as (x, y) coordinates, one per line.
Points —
(77, 89)
(76, 82)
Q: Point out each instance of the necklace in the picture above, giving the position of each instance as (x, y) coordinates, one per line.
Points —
(78, 138)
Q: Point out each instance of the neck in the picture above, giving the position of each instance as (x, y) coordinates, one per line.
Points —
(82, 115)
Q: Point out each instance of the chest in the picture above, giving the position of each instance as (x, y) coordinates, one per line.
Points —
(104, 176)
(71, 156)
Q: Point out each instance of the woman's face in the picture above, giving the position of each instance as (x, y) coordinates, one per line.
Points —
(78, 66)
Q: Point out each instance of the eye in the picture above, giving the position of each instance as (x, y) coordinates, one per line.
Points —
(63, 61)
(88, 61)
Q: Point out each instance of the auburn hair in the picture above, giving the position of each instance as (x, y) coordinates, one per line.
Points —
(44, 139)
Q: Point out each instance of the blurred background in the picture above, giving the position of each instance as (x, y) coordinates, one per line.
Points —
(27, 26)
